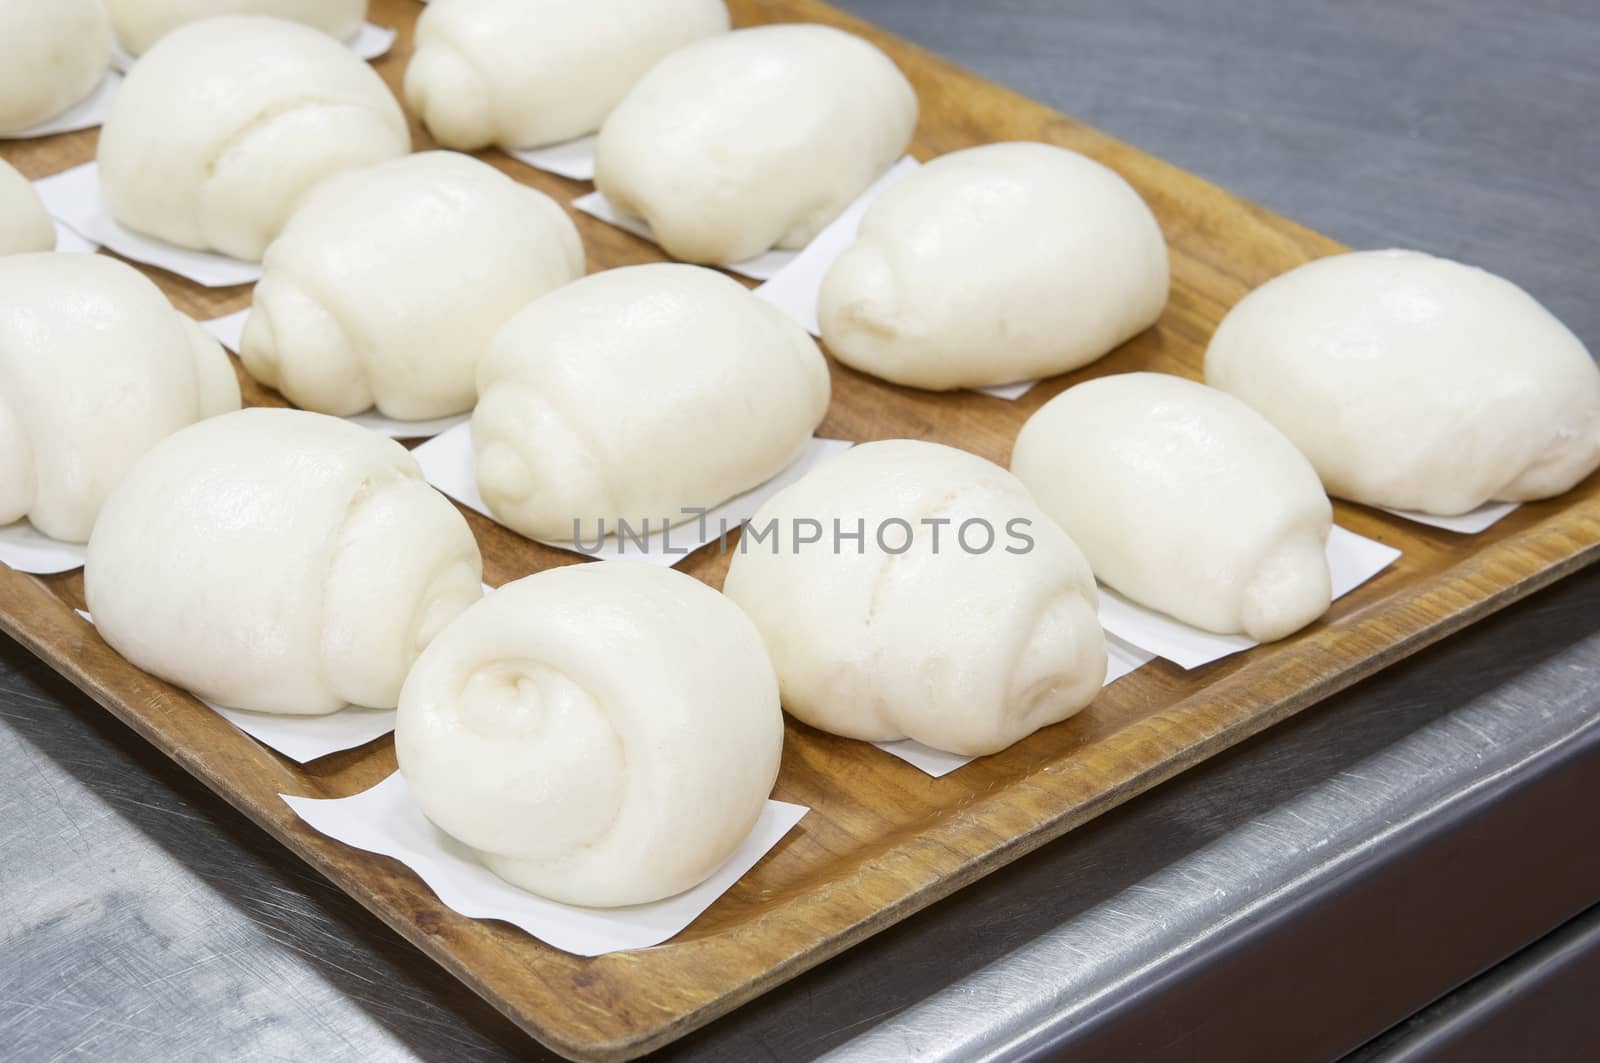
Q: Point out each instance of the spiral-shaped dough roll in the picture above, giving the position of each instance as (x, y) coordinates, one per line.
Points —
(999, 263)
(602, 734)
(754, 139)
(388, 283)
(140, 23)
(24, 223)
(280, 561)
(1185, 500)
(95, 368)
(1415, 382)
(912, 590)
(522, 73)
(222, 127)
(636, 393)
(52, 54)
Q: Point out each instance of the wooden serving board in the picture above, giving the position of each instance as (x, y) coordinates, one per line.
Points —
(883, 840)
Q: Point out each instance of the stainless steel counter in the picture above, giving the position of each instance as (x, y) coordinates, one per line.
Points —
(144, 919)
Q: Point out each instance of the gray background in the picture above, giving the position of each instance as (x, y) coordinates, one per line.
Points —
(143, 918)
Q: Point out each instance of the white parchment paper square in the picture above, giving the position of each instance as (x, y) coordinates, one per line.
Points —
(26, 549)
(74, 197)
(572, 159)
(229, 330)
(447, 463)
(760, 268)
(305, 738)
(1121, 659)
(387, 820)
(1352, 561)
(1470, 523)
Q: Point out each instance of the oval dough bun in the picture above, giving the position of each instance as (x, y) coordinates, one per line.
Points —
(1414, 382)
(995, 264)
(224, 125)
(1185, 500)
(754, 139)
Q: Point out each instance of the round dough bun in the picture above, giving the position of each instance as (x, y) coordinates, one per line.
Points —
(1185, 500)
(963, 617)
(386, 286)
(639, 394)
(140, 23)
(1414, 382)
(995, 264)
(225, 124)
(279, 561)
(601, 735)
(754, 139)
(24, 223)
(524, 73)
(96, 367)
(52, 54)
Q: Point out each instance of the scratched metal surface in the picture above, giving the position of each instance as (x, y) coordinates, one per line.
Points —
(142, 919)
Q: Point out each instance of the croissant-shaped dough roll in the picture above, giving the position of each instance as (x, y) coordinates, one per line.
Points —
(279, 561)
(995, 264)
(140, 23)
(961, 616)
(522, 73)
(388, 283)
(1185, 500)
(1415, 382)
(754, 139)
(24, 223)
(637, 392)
(602, 734)
(222, 127)
(52, 54)
(96, 367)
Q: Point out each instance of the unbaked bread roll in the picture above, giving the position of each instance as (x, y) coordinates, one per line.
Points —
(995, 264)
(222, 127)
(388, 283)
(754, 139)
(522, 73)
(140, 23)
(24, 223)
(635, 393)
(1185, 500)
(962, 616)
(1415, 382)
(279, 561)
(95, 368)
(52, 54)
(602, 735)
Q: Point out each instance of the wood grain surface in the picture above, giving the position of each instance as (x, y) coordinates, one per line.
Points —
(883, 840)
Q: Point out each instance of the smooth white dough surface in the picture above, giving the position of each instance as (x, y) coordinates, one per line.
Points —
(52, 54)
(140, 23)
(636, 392)
(96, 367)
(995, 264)
(602, 734)
(754, 139)
(525, 73)
(1414, 382)
(24, 223)
(224, 125)
(1185, 500)
(963, 651)
(279, 561)
(388, 283)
